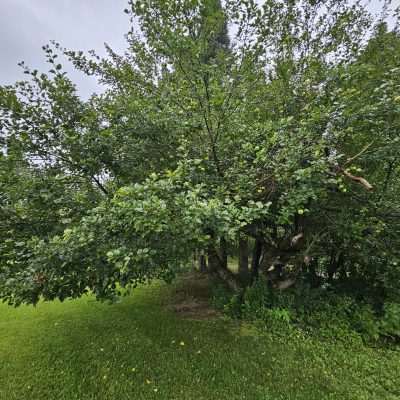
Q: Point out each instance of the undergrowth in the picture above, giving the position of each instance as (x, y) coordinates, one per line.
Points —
(320, 312)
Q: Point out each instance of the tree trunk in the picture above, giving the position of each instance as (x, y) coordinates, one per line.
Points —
(243, 269)
(313, 278)
(255, 262)
(202, 262)
(218, 267)
(229, 278)
(213, 259)
(224, 254)
(335, 264)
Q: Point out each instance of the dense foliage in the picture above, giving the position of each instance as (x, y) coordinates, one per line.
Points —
(275, 122)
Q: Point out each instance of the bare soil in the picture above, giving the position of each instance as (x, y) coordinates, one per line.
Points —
(191, 297)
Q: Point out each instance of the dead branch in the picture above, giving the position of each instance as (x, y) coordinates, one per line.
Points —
(362, 181)
(295, 239)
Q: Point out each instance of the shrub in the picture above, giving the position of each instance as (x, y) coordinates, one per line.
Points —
(316, 311)
(390, 322)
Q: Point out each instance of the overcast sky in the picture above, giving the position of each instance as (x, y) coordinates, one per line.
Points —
(26, 25)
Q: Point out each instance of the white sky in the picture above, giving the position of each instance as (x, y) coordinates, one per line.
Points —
(26, 25)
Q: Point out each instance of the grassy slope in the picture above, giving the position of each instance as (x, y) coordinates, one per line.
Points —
(134, 350)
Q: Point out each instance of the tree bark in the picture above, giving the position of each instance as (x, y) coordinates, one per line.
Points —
(202, 262)
(255, 262)
(229, 278)
(243, 269)
(224, 253)
(335, 264)
(218, 267)
(213, 258)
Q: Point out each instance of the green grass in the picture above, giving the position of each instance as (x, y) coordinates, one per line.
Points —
(137, 349)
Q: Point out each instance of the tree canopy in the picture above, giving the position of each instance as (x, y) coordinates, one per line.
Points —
(276, 122)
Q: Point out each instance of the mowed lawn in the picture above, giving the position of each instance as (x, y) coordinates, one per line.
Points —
(141, 349)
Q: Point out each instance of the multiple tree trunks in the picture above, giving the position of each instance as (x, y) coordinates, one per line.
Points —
(270, 265)
(218, 265)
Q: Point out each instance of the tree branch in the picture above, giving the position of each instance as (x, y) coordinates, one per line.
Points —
(362, 181)
(101, 187)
